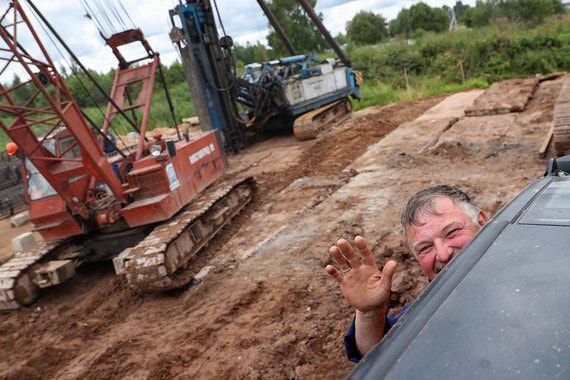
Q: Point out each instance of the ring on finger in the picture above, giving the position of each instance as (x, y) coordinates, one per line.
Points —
(345, 270)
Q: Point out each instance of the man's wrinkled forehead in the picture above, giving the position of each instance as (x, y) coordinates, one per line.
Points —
(436, 206)
(442, 207)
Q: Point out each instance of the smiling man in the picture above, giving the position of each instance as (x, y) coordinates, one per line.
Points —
(438, 222)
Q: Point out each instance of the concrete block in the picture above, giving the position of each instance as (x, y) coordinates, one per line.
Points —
(191, 120)
(23, 242)
(19, 219)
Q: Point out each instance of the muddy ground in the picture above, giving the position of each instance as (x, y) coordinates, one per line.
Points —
(267, 309)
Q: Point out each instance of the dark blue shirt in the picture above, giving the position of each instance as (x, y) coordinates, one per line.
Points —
(109, 145)
(350, 337)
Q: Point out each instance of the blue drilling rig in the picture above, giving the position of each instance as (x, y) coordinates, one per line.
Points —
(306, 92)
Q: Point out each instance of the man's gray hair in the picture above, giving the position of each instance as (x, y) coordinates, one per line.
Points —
(422, 203)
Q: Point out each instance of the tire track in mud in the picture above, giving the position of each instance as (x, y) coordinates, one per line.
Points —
(219, 329)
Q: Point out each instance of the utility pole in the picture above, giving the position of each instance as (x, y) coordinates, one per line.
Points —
(452, 19)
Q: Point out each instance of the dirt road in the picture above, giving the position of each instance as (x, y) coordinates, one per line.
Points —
(266, 308)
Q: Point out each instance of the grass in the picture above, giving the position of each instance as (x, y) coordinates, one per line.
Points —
(377, 94)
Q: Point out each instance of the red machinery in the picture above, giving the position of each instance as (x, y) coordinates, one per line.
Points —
(89, 205)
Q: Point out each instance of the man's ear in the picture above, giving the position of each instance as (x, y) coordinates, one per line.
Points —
(482, 218)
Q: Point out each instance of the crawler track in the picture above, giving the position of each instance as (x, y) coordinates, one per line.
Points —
(16, 276)
(154, 263)
(308, 125)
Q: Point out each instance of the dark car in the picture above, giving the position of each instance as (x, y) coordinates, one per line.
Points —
(501, 309)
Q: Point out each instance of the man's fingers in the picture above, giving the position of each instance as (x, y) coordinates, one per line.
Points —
(334, 273)
(387, 273)
(338, 257)
(348, 252)
(365, 251)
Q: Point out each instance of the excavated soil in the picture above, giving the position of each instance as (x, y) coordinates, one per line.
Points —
(267, 309)
(514, 93)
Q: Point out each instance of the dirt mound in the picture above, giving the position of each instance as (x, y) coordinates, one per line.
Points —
(450, 150)
(336, 149)
(504, 97)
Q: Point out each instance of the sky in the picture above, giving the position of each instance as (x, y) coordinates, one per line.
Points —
(243, 20)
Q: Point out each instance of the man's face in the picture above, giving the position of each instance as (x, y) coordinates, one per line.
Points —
(439, 237)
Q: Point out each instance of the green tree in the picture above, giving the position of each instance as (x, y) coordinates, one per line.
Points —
(367, 28)
(341, 39)
(23, 93)
(459, 8)
(420, 16)
(303, 34)
(250, 53)
(529, 11)
(401, 24)
(480, 15)
(174, 74)
(424, 17)
(84, 90)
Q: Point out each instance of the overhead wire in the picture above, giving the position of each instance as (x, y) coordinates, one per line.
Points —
(219, 17)
(111, 6)
(89, 75)
(80, 81)
(6, 12)
(116, 13)
(105, 16)
(127, 13)
(92, 15)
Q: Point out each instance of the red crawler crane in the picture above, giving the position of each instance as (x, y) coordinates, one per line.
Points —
(88, 204)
